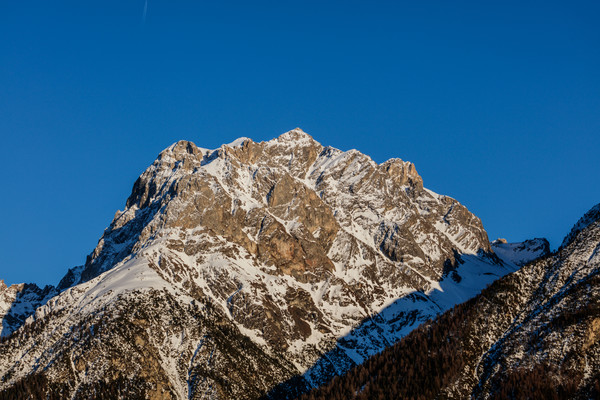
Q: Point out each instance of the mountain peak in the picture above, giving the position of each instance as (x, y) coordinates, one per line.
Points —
(182, 147)
(402, 172)
(239, 141)
(295, 135)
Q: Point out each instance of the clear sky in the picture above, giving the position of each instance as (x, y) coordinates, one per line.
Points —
(497, 103)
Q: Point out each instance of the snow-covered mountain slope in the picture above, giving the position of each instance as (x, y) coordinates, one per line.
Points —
(589, 218)
(532, 334)
(129, 334)
(311, 257)
(17, 302)
(521, 253)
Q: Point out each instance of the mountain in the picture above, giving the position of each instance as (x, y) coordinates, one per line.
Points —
(17, 302)
(532, 334)
(250, 269)
(522, 252)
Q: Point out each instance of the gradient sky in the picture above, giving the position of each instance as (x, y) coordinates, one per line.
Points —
(497, 104)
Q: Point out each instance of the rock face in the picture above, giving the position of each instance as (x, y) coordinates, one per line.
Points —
(532, 334)
(249, 263)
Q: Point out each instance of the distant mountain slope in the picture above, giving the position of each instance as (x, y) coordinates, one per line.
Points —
(532, 334)
(17, 302)
(523, 252)
(249, 266)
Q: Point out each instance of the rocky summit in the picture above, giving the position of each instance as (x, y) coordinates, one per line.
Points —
(254, 269)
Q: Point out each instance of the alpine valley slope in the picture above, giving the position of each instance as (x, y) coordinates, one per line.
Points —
(233, 270)
(534, 334)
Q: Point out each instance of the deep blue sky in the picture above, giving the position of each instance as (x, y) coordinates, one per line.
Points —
(497, 104)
